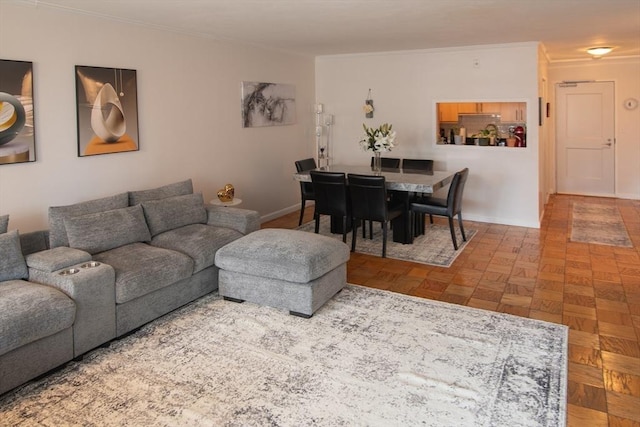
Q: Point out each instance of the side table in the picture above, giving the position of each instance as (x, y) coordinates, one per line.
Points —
(234, 202)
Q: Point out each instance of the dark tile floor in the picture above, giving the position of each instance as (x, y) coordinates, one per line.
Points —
(541, 274)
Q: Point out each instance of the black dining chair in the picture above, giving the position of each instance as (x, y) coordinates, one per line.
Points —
(424, 166)
(417, 165)
(369, 202)
(449, 207)
(388, 162)
(332, 198)
(306, 189)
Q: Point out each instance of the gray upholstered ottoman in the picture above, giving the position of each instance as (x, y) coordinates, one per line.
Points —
(294, 270)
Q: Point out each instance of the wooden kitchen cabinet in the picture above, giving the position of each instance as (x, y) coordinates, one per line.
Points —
(513, 111)
(448, 112)
(467, 107)
(490, 107)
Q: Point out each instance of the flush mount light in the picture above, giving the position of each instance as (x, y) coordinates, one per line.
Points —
(598, 51)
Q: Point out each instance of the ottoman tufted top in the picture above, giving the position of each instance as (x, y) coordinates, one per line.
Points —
(291, 255)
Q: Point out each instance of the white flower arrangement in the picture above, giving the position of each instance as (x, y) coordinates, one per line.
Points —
(378, 139)
(367, 108)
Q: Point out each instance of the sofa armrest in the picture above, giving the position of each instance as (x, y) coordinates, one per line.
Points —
(243, 220)
(56, 259)
(92, 288)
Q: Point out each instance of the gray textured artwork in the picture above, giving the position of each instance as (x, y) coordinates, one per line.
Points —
(268, 104)
(367, 357)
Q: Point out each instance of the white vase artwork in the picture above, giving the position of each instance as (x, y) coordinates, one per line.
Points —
(107, 116)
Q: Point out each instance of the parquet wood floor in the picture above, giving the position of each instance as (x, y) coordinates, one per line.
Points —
(541, 274)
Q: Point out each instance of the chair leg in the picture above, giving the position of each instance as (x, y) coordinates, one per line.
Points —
(431, 218)
(304, 202)
(344, 229)
(354, 234)
(453, 233)
(384, 239)
(464, 237)
(371, 230)
(317, 218)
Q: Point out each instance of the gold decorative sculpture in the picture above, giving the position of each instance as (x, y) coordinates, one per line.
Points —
(227, 193)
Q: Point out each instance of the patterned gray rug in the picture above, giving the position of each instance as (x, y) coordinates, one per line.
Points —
(368, 357)
(434, 247)
(598, 223)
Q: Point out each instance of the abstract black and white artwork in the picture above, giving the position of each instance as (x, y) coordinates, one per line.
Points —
(17, 136)
(268, 104)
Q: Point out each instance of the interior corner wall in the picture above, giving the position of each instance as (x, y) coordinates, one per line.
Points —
(625, 73)
(188, 107)
(405, 87)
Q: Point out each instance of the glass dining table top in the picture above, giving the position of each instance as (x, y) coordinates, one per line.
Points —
(396, 179)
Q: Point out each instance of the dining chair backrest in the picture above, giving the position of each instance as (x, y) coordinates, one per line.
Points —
(306, 188)
(454, 198)
(417, 165)
(302, 166)
(305, 164)
(368, 197)
(330, 189)
(388, 162)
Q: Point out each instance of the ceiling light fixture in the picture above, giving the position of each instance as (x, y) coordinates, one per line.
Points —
(599, 51)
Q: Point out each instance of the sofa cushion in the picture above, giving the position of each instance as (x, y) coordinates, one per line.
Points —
(12, 263)
(57, 215)
(34, 241)
(99, 232)
(29, 312)
(141, 269)
(176, 189)
(4, 223)
(174, 212)
(199, 241)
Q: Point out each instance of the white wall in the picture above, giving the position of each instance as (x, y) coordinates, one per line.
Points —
(503, 183)
(625, 73)
(189, 115)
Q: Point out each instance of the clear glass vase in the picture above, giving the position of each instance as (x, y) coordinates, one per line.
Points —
(377, 162)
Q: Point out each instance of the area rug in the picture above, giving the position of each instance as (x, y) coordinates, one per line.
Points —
(434, 247)
(598, 223)
(366, 358)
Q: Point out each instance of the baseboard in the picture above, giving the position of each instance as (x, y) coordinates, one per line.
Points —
(281, 212)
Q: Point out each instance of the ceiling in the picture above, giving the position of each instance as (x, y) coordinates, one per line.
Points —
(326, 27)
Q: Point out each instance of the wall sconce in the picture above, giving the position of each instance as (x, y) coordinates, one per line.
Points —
(599, 51)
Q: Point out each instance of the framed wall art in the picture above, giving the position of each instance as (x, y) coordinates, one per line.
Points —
(107, 109)
(268, 104)
(17, 132)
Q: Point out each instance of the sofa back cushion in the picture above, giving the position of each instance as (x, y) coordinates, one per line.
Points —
(174, 212)
(12, 263)
(176, 189)
(99, 232)
(4, 223)
(57, 215)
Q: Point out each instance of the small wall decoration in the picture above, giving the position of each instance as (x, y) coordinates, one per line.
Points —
(368, 106)
(107, 108)
(268, 104)
(17, 133)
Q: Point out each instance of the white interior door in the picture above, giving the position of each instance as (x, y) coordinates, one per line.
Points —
(585, 141)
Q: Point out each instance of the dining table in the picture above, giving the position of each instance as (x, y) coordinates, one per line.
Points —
(402, 185)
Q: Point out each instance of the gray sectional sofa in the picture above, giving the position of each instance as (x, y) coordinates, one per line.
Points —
(104, 268)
